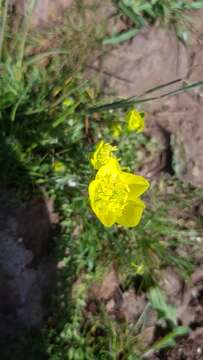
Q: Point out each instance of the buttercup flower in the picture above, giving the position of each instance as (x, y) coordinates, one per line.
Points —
(114, 195)
(135, 120)
(102, 154)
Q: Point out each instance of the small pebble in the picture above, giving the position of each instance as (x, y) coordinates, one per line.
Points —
(199, 350)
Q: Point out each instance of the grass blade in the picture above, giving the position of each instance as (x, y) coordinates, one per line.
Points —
(35, 58)
(123, 104)
(184, 88)
(161, 87)
(121, 37)
(137, 20)
(127, 103)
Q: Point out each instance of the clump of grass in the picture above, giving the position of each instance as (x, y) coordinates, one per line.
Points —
(141, 13)
(36, 77)
(167, 11)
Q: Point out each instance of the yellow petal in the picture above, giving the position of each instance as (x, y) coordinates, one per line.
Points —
(91, 190)
(112, 167)
(102, 154)
(137, 184)
(132, 213)
(93, 159)
(107, 218)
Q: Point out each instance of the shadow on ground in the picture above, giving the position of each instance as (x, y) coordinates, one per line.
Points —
(27, 267)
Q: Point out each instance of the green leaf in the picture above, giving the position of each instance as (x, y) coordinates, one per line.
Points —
(195, 5)
(121, 37)
(59, 121)
(165, 311)
(168, 340)
(137, 20)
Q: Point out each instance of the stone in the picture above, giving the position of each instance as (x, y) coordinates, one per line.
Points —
(132, 306)
(109, 285)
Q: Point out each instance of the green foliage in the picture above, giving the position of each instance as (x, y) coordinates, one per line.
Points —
(36, 120)
(165, 311)
(167, 12)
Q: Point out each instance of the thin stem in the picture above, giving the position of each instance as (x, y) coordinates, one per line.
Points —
(5, 12)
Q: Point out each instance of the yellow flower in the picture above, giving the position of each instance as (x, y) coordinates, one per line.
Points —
(116, 130)
(58, 167)
(139, 269)
(135, 120)
(114, 195)
(102, 154)
(68, 102)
